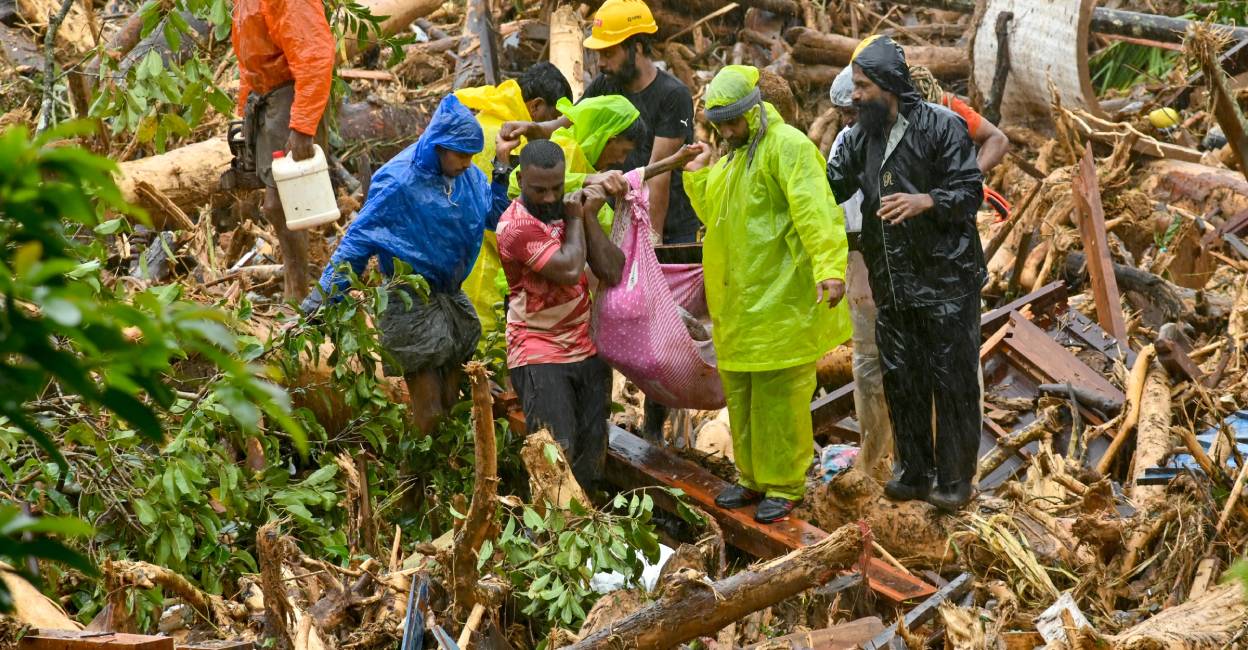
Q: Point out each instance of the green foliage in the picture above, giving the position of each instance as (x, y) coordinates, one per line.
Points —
(550, 558)
(1122, 65)
(91, 366)
(1239, 573)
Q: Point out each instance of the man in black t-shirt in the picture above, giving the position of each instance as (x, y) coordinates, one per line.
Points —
(620, 35)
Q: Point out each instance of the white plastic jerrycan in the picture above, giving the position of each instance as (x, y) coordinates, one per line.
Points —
(304, 188)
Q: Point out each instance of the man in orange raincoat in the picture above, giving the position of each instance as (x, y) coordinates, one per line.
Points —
(285, 56)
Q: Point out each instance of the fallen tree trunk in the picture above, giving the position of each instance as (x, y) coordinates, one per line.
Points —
(811, 46)
(836, 368)
(1210, 621)
(693, 608)
(399, 15)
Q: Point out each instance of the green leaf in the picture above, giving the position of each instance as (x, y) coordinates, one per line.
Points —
(484, 555)
(551, 453)
(532, 520)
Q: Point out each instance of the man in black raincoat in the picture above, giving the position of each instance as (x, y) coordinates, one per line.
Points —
(915, 164)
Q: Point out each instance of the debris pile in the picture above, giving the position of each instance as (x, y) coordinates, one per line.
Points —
(1115, 366)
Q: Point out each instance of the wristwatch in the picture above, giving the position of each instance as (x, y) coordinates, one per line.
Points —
(502, 173)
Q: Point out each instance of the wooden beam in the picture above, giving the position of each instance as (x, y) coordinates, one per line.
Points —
(1087, 194)
(633, 462)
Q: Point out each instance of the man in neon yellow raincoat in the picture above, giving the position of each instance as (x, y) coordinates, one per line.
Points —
(532, 97)
(600, 133)
(774, 262)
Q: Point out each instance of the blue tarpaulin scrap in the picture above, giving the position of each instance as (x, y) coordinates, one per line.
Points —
(1237, 422)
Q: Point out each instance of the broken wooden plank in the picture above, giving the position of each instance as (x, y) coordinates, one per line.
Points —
(1087, 195)
(86, 640)
(368, 75)
(633, 462)
(1029, 344)
(923, 612)
(845, 636)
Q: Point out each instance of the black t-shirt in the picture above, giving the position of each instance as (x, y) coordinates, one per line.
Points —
(666, 106)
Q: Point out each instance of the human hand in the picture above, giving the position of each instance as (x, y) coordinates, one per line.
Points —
(504, 146)
(831, 290)
(611, 181)
(517, 130)
(300, 145)
(574, 205)
(701, 155)
(592, 199)
(897, 208)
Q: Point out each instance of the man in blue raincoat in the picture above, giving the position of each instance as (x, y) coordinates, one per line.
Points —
(428, 207)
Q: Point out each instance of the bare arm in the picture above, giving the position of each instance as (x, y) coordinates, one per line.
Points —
(568, 263)
(606, 259)
(533, 130)
(992, 144)
(661, 185)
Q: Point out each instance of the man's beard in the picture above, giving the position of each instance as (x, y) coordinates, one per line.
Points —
(873, 116)
(737, 143)
(545, 212)
(627, 73)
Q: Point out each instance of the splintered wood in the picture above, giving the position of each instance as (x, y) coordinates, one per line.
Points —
(1100, 263)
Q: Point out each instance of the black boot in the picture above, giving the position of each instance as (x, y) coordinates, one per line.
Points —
(773, 509)
(737, 496)
(950, 498)
(905, 488)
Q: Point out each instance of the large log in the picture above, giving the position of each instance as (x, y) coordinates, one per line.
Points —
(1106, 21)
(811, 46)
(399, 15)
(1210, 621)
(479, 525)
(697, 607)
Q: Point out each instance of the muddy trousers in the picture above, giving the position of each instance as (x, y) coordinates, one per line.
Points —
(572, 400)
(869, 403)
(930, 357)
(772, 437)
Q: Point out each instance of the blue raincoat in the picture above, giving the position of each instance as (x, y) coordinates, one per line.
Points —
(416, 214)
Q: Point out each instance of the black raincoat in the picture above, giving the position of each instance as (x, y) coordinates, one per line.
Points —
(935, 257)
(925, 274)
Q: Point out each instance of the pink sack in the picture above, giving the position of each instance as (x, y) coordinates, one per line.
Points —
(636, 324)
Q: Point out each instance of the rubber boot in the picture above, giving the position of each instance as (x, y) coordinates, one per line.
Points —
(904, 488)
(950, 498)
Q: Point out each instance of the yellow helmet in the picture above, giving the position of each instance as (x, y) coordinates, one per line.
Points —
(617, 20)
(863, 45)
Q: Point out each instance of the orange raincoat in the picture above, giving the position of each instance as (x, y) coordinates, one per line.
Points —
(279, 41)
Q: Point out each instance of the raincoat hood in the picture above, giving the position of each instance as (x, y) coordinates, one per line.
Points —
(842, 92)
(885, 64)
(734, 93)
(595, 120)
(503, 102)
(452, 127)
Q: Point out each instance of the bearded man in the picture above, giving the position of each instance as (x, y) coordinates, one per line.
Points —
(916, 167)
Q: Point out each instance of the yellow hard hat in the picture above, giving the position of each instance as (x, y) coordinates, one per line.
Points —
(863, 45)
(617, 20)
(1164, 118)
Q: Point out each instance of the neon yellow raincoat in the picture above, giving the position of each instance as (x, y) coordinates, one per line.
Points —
(493, 106)
(773, 231)
(595, 120)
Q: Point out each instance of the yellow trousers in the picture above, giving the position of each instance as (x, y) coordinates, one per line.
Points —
(772, 438)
